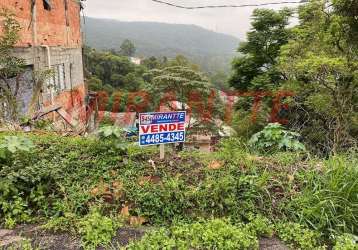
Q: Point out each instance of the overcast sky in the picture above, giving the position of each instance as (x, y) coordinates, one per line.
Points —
(234, 21)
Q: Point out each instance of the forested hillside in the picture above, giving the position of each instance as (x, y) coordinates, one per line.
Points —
(212, 51)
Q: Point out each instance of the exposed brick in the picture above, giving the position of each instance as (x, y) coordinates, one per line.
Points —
(62, 36)
(51, 25)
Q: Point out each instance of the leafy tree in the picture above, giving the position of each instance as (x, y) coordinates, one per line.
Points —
(151, 63)
(182, 61)
(10, 66)
(127, 48)
(219, 80)
(115, 75)
(192, 91)
(256, 68)
(348, 10)
(133, 82)
(116, 71)
(316, 60)
(320, 63)
(95, 84)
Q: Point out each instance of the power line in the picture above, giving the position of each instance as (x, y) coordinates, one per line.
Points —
(228, 6)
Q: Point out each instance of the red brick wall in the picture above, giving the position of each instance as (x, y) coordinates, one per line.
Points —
(51, 25)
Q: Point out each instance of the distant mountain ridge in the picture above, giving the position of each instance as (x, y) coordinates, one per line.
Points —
(212, 51)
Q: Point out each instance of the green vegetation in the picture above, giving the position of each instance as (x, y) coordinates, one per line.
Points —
(212, 51)
(111, 132)
(316, 60)
(324, 75)
(327, 193)
(274, 137)
(256, 69)
(111, 72)
(96, 230)
(127, 48)
(12, 144)
(82, 186)
(346, 242)
(213, 234)
(11, 66)
(23, 245)
(191, 89)
(298, 236)
(125, 86)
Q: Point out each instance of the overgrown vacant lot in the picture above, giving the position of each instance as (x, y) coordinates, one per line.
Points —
(91, 189)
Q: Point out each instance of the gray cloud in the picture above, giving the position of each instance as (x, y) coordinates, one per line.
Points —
(233, 21)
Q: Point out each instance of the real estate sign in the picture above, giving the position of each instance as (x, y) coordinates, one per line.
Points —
(161, 128)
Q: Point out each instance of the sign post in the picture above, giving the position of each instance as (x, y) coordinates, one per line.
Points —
(162, 151)
(161, 128)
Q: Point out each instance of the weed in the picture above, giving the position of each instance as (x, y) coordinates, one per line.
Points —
(23, 245)
(275, 138)
(298, 236)
(15, 211)
(328, 200)
(260, 226)
(160, 203)
(212, 234)
(12, 144)
(63, 220)
(96, 230)
(346, 242)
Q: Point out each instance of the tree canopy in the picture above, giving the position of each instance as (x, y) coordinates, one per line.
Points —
(110, 71)
(127, 48)
(256, 69)
(316, 60)
(324, 74)
(193, 92)
(10, 65)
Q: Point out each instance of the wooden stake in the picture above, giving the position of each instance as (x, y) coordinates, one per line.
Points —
(162, 151)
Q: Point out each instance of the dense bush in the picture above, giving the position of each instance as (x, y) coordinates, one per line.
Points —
(58, 169)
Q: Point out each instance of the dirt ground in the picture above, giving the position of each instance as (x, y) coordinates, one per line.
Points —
(10, 239)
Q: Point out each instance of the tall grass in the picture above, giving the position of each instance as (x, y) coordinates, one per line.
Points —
(328, 200)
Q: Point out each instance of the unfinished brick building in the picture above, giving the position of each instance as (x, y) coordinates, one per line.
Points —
(50, 39)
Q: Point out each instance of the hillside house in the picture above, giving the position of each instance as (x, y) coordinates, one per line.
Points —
(50, 39)
(135, 60)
